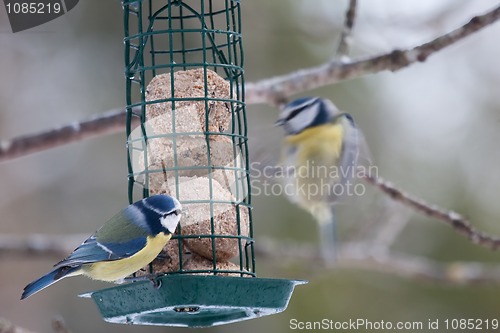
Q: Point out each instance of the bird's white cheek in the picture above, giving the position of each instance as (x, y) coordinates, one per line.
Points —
(170, 222)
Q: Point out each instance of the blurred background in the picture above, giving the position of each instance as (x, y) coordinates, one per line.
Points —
(432, 128)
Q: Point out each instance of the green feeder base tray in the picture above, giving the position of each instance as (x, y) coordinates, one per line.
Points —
(193, 300)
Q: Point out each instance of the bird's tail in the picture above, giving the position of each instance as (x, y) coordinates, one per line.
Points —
(325, 215)
(48, 279)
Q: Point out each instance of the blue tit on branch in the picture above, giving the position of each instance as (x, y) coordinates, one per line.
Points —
(319, 160)
(127, 242)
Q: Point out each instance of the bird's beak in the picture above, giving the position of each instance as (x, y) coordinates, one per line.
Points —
(279, 122)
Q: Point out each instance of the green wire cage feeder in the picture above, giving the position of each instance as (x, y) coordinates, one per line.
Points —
(185, 90)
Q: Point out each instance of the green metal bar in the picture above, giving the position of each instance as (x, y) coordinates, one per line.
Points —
(152, 52)
(128, 92)
(207, 136)
(183, 40)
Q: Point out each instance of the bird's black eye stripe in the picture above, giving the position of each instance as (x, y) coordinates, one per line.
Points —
(294, 113)
(299, 110)
(175, 212)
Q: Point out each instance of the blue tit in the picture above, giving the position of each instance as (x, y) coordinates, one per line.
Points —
(126, 243)
(319, 160)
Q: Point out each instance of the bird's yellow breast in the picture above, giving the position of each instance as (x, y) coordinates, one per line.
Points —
(322, 144)
(118, 269)
(316, 155)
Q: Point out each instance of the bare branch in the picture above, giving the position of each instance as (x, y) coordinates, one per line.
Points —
(332, 72)
(99, 125)
(345, 37)
(352, 255)
(453, 219)
(271, 91)
(39, 245)
(362, 256)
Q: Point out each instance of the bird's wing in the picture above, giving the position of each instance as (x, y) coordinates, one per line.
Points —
(350, 150)
(92, 251)
(354, 140)
(116, 239)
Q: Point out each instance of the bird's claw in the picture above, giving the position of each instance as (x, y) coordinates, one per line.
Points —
(153, 278)
(156, 282)
(163, 256)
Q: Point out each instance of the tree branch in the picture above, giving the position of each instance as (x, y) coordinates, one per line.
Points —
(353, 255)
(266, 91)
(270, 91)
(459, 223)
(107, 123)
(345, 37)
(39, 245)
(364, 256)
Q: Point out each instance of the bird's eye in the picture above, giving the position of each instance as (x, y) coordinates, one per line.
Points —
(175, 212)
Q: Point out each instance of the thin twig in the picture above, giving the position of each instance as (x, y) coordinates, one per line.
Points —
(346, 35)
(453, 219)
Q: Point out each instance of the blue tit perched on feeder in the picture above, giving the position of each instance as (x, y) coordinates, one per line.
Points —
(319, 160)
(127, 242)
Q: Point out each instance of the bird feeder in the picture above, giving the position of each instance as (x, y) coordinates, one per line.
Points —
(187, 137)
